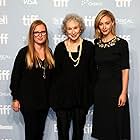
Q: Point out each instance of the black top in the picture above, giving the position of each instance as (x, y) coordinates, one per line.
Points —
(72, 86)
(29, 86)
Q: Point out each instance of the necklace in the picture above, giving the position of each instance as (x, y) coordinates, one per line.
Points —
(108, 44)
(77, 60)
(43, 66)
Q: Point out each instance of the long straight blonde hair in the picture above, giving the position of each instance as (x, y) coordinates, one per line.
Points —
(100, 15)
(31, 56)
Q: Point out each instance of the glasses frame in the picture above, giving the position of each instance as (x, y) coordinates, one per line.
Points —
(37, 33)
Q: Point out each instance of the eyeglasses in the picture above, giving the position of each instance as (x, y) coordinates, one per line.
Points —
(43, 33)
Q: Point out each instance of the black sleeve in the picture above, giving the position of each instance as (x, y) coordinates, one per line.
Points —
(124, 55)
(17, 74)
(92, 72)
(58, 53)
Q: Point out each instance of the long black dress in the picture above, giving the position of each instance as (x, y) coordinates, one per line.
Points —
(110, 122)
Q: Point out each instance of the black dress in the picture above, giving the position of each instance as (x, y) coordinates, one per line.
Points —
(110, 122)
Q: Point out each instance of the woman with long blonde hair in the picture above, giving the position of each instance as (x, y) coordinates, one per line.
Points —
(111, 110)
(30, 81)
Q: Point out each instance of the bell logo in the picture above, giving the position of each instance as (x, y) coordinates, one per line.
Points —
(123, 3)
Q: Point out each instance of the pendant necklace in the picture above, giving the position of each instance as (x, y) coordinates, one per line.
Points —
(43, 66)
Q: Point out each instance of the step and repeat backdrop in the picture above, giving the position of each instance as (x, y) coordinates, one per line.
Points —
(15, 19)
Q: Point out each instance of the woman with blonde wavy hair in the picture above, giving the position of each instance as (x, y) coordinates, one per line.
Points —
(30, 81)
(111, 110)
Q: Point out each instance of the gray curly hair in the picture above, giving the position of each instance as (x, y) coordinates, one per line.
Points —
(74, 17)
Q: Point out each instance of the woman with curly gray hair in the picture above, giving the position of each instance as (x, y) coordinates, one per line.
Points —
(71, 94)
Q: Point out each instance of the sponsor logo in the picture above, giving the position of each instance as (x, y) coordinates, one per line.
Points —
(58, 38)
(126, 37)
(4, 94)
(124, 21)
(3, 19)
(90, 3)
(4, 57)
(30, 2)
(6, 127)
(5, 139)
(57, 21)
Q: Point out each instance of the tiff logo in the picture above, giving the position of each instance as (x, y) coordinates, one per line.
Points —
(60, 3)
(3, 20)
(5, 109)
(3, 38)
(2, 2)
(4, 74)
(27, 20)
(58, 38)
(30, 2)
(89, 20)
(126, 37)
(123, 3)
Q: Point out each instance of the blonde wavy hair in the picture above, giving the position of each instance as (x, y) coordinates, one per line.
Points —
(100, 15)
(31, 56)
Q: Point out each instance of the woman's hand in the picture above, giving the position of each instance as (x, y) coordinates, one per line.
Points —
(15, 105)
(122, 99)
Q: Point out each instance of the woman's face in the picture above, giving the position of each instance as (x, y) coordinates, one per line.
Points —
(73, 30)
(40, 34)
(106, 25)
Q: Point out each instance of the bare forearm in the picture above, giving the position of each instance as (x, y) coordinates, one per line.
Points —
(125, 78)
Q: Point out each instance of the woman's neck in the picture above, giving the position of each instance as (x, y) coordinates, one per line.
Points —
(71, 45)
(107, 38)
(40, 51)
